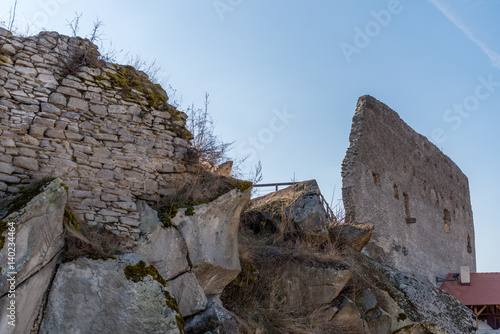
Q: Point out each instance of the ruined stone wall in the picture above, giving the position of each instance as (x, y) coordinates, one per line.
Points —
(416, 197)
(106, 130)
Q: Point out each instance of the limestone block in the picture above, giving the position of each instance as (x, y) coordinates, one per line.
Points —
(7, 49)
(166, 248)
(39, 241)
(50, 108)
(48, 79)
(55, 133)
(6, 168)
(78, 104)
(9, 179)
(57, 98)
(211, 238)
(29, 71)
(84, 299)
(8, 142)
(26, 163)
(188, 293)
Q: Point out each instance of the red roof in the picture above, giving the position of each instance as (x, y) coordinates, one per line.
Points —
(484, 289)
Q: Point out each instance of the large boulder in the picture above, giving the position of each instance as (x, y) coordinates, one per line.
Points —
(35, 219)
(166, 249)
(215, 320)
(349, 320)
(296, 211)
(122, 295)
(309, 286)
(211, 235)
(349, 234)
(188, 293)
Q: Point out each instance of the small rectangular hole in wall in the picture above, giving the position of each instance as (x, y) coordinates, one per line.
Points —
(376, 178)
(409, 218)
(447, 220)
(396, 191)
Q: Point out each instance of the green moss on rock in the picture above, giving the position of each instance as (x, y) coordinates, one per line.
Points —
(138, 272)
(17, 202)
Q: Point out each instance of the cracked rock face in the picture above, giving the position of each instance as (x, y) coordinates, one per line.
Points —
(211, 235)
(297, 209)
(95, 296)
(38, 244)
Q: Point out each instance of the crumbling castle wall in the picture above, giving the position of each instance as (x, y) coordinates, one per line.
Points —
(415, 196)
(106, 129)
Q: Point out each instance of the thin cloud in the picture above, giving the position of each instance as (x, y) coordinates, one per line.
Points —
(455, 18)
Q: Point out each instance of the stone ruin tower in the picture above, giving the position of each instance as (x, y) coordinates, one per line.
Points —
(416, 197)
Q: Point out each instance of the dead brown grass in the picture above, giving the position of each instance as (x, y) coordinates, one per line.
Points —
(89, 241)
(259, 296)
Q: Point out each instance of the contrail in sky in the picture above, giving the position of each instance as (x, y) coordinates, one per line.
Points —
(445, 8)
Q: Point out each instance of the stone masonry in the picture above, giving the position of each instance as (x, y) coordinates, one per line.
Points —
(109, 143)
(415, 196)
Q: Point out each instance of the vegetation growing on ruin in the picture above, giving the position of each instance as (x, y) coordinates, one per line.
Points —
(93, 242)
(17, 202)
(201, 189)
(136, 273)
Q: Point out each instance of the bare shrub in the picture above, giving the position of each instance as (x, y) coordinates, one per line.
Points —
(200, 123)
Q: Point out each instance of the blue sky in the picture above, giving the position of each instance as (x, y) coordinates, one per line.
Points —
(284, 88)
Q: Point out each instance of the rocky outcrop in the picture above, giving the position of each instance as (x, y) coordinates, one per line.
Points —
(30, 252)
(295, 210)
(353, 235)
(102, 296)
(309, 286)
(211, 238)
(410, 300)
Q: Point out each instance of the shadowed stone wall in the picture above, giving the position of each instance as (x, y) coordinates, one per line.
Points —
(415, 196)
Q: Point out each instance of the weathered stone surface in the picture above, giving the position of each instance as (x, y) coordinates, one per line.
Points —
(39, 242)
(353, 235)
(215, 319)
(188, 293)
(128, 135)
(148, 218)
(411, 300)
(298, 208)
(310, 286)
(27, 163)
(166, 248)
(95, 296)
(414, 195)
(211, 235)
(348, 319)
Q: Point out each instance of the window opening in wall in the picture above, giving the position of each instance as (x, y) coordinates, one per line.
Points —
(409, 218)
(469, 245)
(376, 178)
(447, 220)
(396, 191)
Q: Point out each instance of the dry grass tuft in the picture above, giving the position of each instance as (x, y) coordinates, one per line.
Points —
(89, 241)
